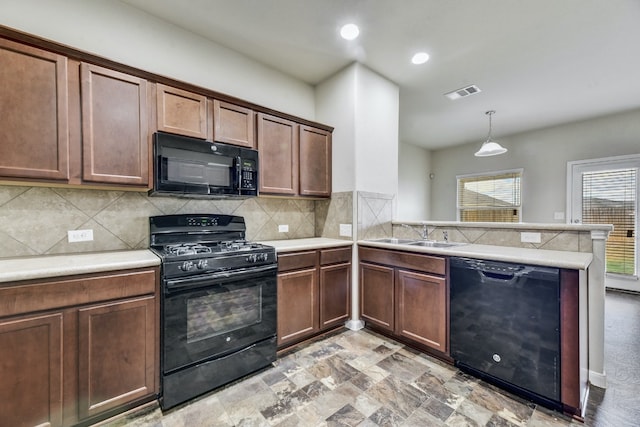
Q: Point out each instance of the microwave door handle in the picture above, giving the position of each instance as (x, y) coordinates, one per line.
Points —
(239, 173)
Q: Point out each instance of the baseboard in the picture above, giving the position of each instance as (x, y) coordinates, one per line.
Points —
(598, 379)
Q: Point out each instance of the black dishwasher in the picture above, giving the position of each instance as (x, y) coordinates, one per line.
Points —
(505, 326)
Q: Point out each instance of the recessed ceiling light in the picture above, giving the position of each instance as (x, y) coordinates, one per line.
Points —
(349, 31)
(420, 58)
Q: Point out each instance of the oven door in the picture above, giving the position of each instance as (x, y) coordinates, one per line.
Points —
(209, 316)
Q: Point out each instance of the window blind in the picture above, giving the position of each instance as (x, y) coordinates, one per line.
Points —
(492, 198)
(609, 197)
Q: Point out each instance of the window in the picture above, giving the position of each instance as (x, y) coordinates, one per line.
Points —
(609, 197)
(490, 198)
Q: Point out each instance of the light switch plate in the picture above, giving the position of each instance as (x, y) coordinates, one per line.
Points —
(530, 237)
(79, 235)
(345, 230)
(283, 228)
(558, 215)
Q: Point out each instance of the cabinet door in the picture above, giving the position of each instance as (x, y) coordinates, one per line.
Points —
(33, 113)
(233, 124)
(335, 295)
(278, 147)
(31, 371)
(115, 131)
(116, 354)
(377, 298)
(297, 305)
(181, 112)
(422, 309)
(315, 162)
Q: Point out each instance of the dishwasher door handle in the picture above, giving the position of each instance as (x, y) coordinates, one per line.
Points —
(505, 277)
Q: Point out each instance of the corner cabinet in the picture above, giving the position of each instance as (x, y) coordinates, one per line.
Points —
(315, 162)
(405, 295)
(78, 349)
(314, 293)
(295, 160)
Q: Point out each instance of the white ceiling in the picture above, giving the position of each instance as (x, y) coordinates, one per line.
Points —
(537, 62)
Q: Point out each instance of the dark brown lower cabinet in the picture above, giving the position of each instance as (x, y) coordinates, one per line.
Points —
(78, 349)
(297, 305)
(31, 355)
(116, 351)
(377, 296)
(422, 308)
(314, 293)
(405, 295)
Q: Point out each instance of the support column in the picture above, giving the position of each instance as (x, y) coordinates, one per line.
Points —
(597, 268)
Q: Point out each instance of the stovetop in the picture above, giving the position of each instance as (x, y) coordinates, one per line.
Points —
(205, 243)
(197, 250)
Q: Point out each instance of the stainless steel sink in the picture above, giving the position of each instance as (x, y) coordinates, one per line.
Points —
(393, 240)
(435, 244)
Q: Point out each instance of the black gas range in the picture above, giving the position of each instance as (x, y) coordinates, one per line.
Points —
(218, 303)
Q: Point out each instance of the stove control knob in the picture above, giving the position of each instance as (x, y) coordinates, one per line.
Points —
(252, 258)
(202, 264)
(186, 266)
(264, 257)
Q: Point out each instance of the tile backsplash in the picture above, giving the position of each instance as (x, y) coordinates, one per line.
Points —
(375, 213)
(35, 220)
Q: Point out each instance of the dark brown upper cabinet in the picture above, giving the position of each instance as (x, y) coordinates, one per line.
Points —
(315, 162)
(181, 112)
(295, 160)
(233, 124)
(278, 147)
(33, 113)
(115, 129)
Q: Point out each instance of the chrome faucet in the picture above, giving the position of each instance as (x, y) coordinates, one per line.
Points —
(425, 230)
(445, 236)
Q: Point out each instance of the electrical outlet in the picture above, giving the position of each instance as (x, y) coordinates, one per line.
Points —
(345, 230)
(79, 235)
(558, 215)
(530, 237)
(283, 228)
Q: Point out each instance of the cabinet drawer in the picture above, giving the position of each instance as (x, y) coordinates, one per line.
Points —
(26, 298)
(335, 256)
(413, 261)
(297, 260)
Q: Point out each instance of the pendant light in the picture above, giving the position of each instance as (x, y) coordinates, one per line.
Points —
(489, 147)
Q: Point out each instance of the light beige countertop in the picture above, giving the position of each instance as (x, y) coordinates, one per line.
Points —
(47, 266)
(511, 225)
(306, 244)
(560, 259)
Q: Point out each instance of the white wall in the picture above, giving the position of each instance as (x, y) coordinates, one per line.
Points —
(377, 106)
(543, 154)
(127, 35)
(414, 184)
(363, 107)
(335, 104)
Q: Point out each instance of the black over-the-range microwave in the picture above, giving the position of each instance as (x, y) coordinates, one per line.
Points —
(190, 167)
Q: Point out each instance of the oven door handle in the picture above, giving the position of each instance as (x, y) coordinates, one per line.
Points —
(176, 285)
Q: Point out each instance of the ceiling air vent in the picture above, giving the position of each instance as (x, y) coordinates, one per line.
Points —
(462, 92)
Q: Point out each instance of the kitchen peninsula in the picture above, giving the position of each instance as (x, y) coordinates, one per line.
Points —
(568, 246)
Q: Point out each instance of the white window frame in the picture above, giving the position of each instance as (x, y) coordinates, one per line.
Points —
(490, 174)
(612, 280)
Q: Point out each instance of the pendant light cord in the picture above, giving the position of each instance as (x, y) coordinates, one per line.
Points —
(489, 113)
